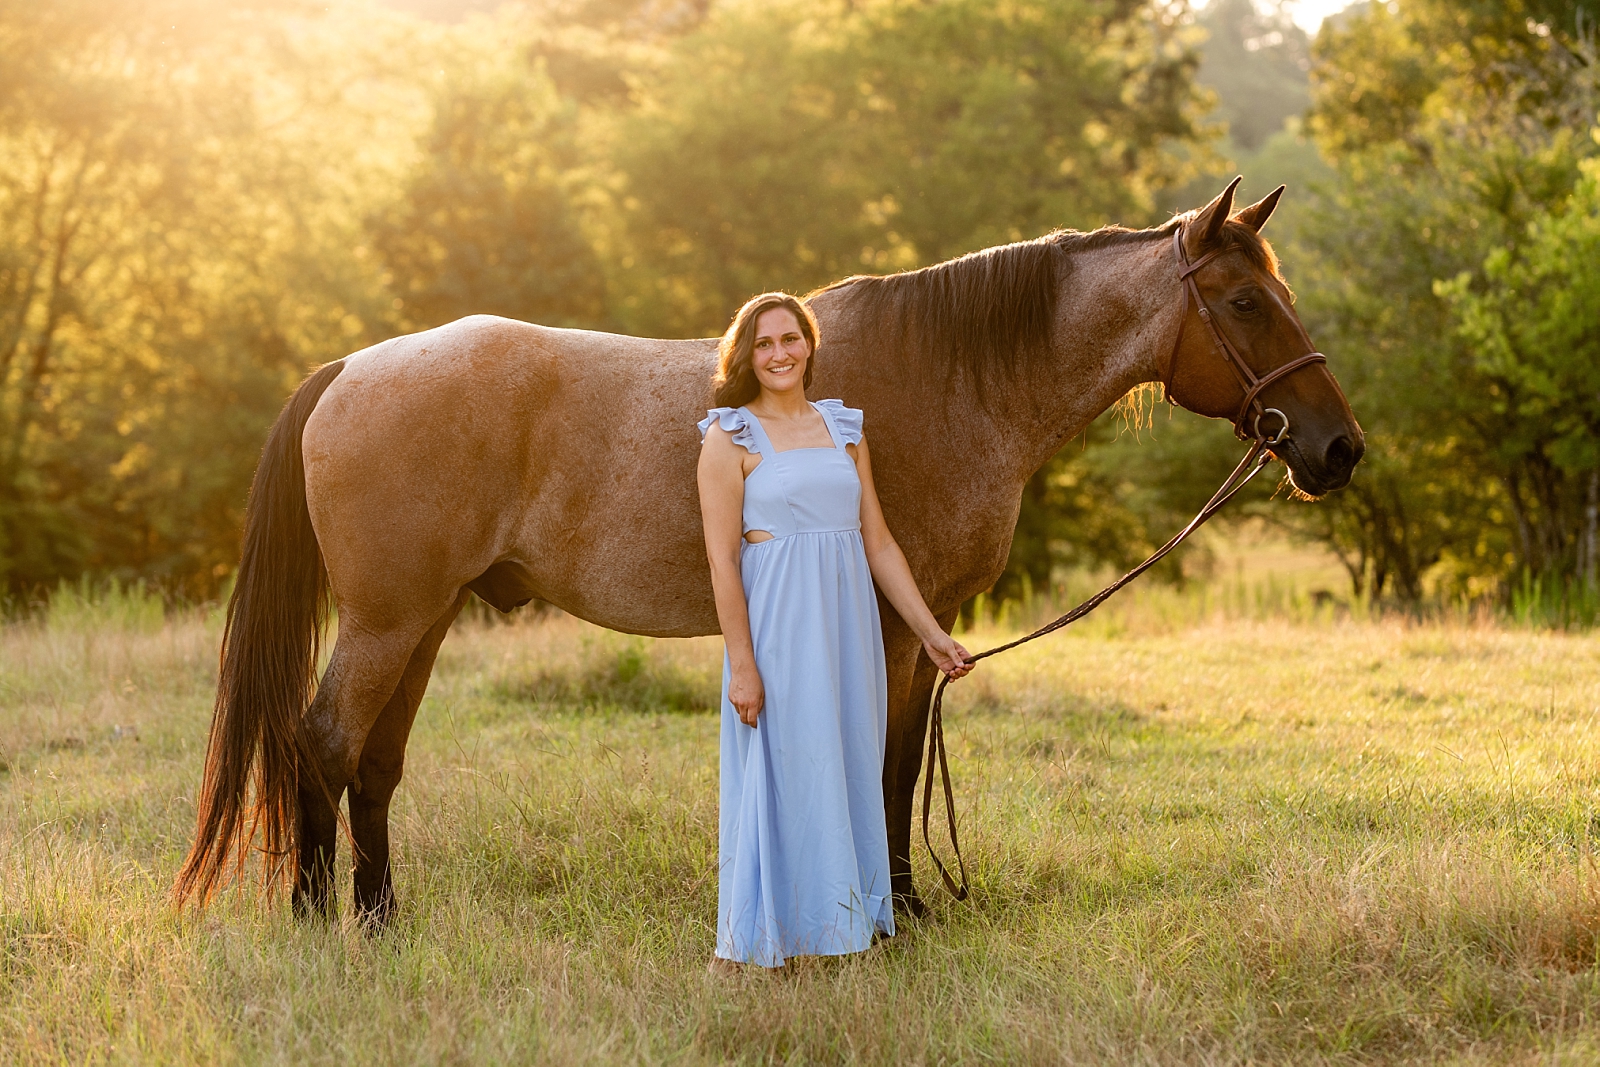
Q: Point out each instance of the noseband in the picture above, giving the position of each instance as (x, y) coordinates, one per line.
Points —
(1252, 384)
(1250, 408)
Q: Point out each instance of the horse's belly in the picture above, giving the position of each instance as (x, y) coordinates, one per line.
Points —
(638, 569)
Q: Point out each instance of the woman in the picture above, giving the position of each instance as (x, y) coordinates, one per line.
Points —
(796, 539)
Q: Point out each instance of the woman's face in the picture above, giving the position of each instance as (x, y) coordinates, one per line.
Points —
(780, 353)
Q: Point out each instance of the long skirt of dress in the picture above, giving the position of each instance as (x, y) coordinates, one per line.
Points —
(804, 851)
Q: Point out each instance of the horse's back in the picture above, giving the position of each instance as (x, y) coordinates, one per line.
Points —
(562, 458)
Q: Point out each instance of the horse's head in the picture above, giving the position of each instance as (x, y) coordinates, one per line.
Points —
(1244, 355)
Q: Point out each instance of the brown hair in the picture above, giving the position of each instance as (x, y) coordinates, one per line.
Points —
(735, 381)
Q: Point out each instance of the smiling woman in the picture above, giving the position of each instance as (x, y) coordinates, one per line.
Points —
(795, 538)
(794, 337)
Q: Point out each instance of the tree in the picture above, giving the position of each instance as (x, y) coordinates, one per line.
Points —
(486, 223)
(1256, 61)
(199, 202)
(1452, 127)
(1533, 327)
(175, 251)
(789, 144)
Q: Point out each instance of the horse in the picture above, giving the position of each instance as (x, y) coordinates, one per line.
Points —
(515, 461)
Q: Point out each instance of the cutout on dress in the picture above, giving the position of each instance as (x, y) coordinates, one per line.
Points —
(755, 537)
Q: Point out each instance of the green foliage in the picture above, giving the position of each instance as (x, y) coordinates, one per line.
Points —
(884, 135)
(199, 202)
(1453, 129)
(175, 227)
(487, 223)
(1533, 328)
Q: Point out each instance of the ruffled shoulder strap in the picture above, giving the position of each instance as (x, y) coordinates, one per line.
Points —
(847, 422)
(734, 421)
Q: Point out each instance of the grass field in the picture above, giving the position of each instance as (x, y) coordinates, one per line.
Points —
(1221, 828)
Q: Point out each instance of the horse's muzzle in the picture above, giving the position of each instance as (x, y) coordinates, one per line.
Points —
(1316, 475)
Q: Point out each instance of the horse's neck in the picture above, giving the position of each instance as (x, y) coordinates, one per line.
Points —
(1116, 322)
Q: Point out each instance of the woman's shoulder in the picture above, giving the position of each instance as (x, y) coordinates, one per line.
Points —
(850, 422)
(732, 421)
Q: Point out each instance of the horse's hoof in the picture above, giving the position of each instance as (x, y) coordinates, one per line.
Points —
(911, 904)
(374, 925)
(375, 918)
(308, 908)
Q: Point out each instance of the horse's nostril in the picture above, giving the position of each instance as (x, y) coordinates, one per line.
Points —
(1341, 455)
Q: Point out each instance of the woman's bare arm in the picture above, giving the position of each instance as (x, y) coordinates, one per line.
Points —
(721, 479)
(893, 575)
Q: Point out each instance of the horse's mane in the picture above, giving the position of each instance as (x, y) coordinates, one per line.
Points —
(986, 310)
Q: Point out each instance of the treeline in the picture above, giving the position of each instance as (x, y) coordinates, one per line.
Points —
(1454, 264)
(201, 200)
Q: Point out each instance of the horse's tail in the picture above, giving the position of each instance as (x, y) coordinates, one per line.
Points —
(268, 671)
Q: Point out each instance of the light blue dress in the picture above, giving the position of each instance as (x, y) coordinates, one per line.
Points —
(803, 848)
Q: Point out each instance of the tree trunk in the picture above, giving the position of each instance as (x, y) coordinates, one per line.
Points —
(1524, 532)
(1591, 520)
(17, 325)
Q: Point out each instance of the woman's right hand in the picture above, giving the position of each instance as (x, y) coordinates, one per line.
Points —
(746, 694)
(948, 654)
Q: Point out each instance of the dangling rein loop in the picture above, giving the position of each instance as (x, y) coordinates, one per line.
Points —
(1248, 468)
(1255, 459)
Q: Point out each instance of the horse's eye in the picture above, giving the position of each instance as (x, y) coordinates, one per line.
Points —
(1244, 306)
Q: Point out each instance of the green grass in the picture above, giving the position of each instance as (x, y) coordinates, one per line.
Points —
(1197, 835)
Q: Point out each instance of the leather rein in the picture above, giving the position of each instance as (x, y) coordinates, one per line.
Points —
(1249, 416)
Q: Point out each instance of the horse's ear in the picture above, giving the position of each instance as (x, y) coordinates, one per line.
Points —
(1256, 215)
(1203, 231)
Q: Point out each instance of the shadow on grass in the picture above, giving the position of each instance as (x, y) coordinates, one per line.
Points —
(609, 669)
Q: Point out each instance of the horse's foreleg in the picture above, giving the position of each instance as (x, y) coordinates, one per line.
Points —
(911, 679)
(382, 764)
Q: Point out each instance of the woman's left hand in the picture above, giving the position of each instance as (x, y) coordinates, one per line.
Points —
(948, 655)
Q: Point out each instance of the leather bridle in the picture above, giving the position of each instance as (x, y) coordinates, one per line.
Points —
(1248, 380)
(1255, 459)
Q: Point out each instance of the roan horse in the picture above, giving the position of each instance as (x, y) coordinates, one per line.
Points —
(515, 461)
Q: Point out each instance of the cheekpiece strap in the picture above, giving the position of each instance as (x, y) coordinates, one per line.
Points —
(1249, 381)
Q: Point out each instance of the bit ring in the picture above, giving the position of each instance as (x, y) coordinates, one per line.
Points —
(1281, 436)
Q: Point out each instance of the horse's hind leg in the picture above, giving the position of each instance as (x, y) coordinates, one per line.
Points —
(382, 764)
(366, 666)
(318, 837)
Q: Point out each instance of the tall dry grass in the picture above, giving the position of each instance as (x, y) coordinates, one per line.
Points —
(1222, 837)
